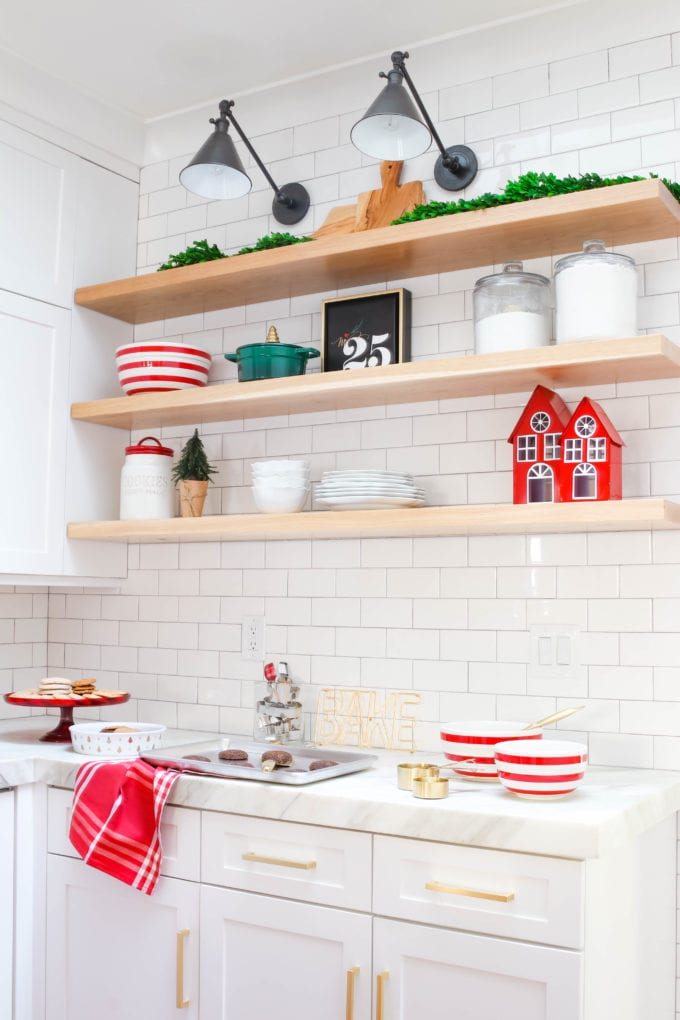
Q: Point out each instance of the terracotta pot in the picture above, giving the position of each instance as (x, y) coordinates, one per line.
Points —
(192, 497)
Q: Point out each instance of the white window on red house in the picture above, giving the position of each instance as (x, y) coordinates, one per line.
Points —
(585, 482)
(552, 445)
(573, 450)
(526, 448)
(540, 421)
(597, 448)
(540, 484)
(585, 425)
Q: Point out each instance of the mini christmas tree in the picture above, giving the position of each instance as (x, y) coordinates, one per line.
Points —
(193, 463)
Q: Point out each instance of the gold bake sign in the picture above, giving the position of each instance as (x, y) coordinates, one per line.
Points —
(363, 717)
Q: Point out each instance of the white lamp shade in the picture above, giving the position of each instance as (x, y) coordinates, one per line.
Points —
(215, 180)
(390, 136)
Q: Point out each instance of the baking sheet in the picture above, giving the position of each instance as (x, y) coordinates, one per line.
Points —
(175, 758)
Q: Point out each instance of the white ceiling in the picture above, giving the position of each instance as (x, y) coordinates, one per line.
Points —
(155, 57)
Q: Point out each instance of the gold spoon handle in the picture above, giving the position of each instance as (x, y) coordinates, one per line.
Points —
(554, 717)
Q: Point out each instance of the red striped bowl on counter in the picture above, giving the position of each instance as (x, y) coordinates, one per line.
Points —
(472, 745)
(155, 367)
(542, 771)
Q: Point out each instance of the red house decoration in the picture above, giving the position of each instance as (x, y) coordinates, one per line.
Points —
(591, 455)
(537, 446)
(560, 457)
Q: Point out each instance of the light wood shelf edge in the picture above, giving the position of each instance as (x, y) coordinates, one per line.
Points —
(590, 363)
(496, 519)
(621, 214)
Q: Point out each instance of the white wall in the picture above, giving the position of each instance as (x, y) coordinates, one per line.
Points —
(23, 643)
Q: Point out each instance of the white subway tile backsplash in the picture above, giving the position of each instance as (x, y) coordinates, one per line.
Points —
(662, 84)
(638, 57)
(614, 95)
(578, 72)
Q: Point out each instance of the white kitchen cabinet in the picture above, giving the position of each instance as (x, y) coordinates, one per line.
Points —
(266, 957)
(38, 182)
(68, 221)
(439, 974)
(115, 953)
(34, 342)
(7, 902)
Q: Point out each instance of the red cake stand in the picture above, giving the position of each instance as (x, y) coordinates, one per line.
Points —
(60, 734)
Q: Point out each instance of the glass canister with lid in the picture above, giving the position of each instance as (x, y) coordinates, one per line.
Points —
(595, 295)
(512, 310)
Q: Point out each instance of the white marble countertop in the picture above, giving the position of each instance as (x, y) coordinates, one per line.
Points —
(611, 806)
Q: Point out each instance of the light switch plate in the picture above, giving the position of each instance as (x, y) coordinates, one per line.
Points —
(554, 652)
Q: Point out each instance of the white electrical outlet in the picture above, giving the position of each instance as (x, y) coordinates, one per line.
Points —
(252, 638)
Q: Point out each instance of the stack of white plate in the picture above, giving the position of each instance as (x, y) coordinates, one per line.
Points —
(367, 490)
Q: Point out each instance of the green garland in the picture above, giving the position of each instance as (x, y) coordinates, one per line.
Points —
(201, 251)
(525, 188)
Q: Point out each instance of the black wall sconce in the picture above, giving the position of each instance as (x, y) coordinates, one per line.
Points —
(216, 171)
(392, 129)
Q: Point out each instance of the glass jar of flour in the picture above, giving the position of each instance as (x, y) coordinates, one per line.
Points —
(595, 295)
(512, 309)
(146, 487)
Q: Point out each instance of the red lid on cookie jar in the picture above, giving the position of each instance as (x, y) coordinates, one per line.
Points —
(162, 451)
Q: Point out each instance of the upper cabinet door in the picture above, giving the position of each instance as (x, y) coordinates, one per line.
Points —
(34, 353)
(37, 223)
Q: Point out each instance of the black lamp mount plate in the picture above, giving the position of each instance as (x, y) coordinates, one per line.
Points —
(458, 178)
(294, 207)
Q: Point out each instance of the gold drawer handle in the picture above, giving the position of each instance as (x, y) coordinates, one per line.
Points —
(475, 893)
(180, 1001)
(280, 862)
(349, 999)
(380, 994)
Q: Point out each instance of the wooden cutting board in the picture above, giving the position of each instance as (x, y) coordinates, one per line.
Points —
(375, 208)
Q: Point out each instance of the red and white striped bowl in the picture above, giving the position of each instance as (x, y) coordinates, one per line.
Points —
(149, 367)
(542, 771)
(473, 744)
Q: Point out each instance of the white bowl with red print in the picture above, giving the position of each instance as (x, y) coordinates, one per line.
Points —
(472, 744)
(545, 771)
(154, 367)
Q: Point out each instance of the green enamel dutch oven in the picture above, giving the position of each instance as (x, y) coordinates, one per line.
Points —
(271, 359)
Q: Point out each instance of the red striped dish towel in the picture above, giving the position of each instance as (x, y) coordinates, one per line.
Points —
(116, 816)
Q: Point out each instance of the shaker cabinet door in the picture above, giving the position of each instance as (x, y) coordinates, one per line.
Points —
(37, 226)
(439, 974)
(34, 355)
(113, 953)
(263, 957)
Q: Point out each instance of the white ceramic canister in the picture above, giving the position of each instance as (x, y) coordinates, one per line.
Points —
(146, 487)
(595, 295)
(512, 310)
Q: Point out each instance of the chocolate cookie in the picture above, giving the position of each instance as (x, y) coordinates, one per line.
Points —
(321, 764)
(195, 757)
(280, 758)
(233, 755)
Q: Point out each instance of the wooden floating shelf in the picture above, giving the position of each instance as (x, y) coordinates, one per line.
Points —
(579, 364)
(617, 515)
(621, 214)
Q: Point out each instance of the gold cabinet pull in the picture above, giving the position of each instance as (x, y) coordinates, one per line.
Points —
(349, 999)
(180, 1001)
(380, 994)
(280, 862)
(477, 894)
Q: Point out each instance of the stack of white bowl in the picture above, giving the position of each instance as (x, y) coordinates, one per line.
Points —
(280, 486)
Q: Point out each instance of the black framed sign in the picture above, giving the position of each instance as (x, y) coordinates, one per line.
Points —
(366, 330)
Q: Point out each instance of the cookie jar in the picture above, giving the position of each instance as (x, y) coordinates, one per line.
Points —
(595, 295)
(512, 310)
(146, 487)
